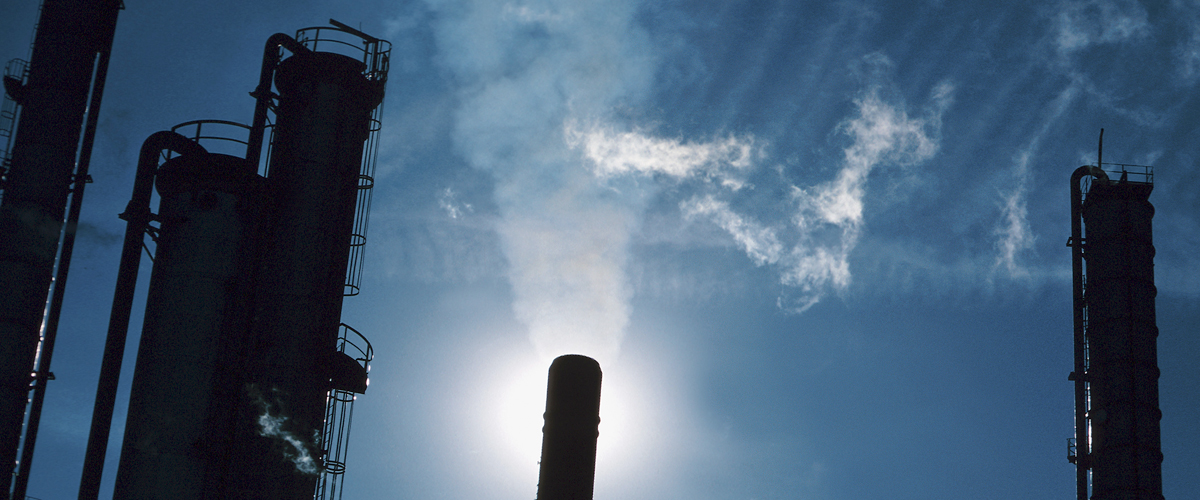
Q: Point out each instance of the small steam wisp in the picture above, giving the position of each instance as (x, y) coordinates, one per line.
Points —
(296, 450)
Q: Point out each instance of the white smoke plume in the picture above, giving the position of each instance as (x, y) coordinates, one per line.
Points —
(526, 70)
(296, 450)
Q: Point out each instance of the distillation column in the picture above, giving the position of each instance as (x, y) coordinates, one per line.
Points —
(1122, 374)
(70, 37)
(323, 118)
(187, 376)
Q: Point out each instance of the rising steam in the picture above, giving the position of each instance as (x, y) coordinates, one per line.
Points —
(526, 70)
(296, 450)
(539, 85)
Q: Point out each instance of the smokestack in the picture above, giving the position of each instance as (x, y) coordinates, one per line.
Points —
(572, 425)
(1126, 452)
(1116, 375)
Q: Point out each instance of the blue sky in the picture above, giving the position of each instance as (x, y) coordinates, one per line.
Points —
(818, 247)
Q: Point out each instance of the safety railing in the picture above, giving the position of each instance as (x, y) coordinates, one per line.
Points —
(1120, 172)
(1124, 172)
(222, 136)
(341, 39)
(18, 70)
(339, 408)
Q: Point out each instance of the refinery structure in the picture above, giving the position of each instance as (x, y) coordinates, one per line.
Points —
(52, 103)
(1116, 370)
(246, 374)
(243, 312)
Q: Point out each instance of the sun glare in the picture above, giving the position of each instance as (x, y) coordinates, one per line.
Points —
(520, 400)
(520, 405)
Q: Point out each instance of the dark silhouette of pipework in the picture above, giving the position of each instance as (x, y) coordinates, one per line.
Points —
(1116, 361)
(47, 128)
(245, 375)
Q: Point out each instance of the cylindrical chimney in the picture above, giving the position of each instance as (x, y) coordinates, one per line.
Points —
(572, 425)
(1126, 450)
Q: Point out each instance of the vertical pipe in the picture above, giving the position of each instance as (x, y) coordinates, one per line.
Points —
(1078, 306)
(44, 152)
(572, 420)
(262, 94)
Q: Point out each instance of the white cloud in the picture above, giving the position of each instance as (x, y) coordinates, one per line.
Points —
(531, 15)
(614, 153)
(1014, 234)
(830, 215)
(1188, 54)
(448, 201)
(759, 242)
(1014, 237)
(1082, 24)
(1187, 50)
(826, 219)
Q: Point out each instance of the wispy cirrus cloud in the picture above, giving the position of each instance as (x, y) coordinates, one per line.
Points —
(758, 241)
(1082, 24)
(614, 153)
(829, 216)
(811, 247)
(1187, 49)
(1014, 237)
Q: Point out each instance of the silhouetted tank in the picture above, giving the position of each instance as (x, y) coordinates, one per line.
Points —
(323, 118)
(245, 375)
(184, 384)
(568, 469)
(1126, 454)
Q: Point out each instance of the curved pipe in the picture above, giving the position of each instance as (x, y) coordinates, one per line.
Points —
(137, 214)
(263, 92)
(1079, 376)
